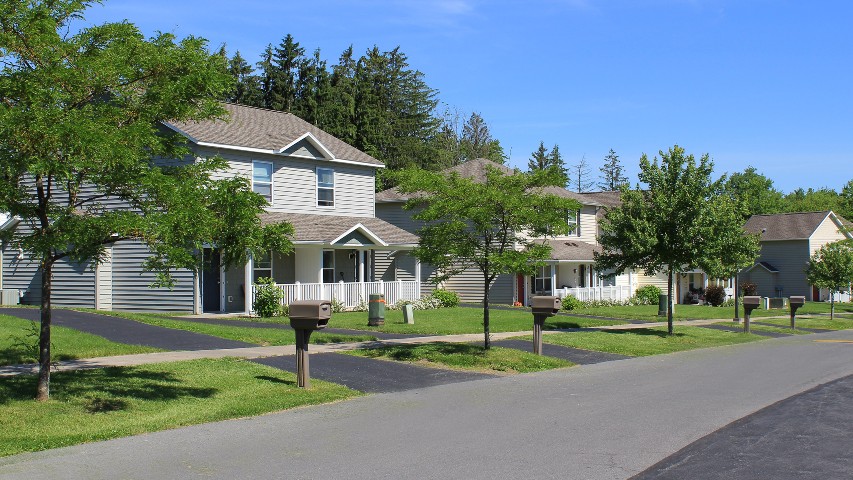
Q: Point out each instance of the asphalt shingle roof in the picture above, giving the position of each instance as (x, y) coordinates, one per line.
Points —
(252, 127)
(325, 228)
(572, 250)
(785, 226)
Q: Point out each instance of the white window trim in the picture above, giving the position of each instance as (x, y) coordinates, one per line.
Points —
(317, 188)
(574, 220)
(543, 273)
(272, 178)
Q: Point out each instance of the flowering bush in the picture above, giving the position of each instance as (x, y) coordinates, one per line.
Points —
(268, 298)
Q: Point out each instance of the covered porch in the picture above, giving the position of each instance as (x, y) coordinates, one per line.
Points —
(334, 258)
(571, 271)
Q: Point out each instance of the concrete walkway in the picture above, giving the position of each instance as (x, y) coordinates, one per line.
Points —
(609, 420)
(274, 351)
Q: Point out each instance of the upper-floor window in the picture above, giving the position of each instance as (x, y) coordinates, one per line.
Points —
(262, 179)
(574, 220)
(325, 187)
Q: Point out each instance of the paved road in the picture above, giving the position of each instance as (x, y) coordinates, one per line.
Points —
(609, 420)
(805, 436)
(128, 331)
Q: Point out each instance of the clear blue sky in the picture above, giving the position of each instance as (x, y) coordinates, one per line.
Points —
(751, 82)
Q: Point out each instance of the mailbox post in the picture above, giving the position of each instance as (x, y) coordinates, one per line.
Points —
(305, 317)
(795, 303)
(749, 304)
(543, 307)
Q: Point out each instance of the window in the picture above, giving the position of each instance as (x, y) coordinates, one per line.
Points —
(262, 179)
(574, 220)
(325, 187)
(263, 266)
(542, 280)
(328, 266)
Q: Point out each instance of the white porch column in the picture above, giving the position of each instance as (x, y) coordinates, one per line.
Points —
(418, 275)
(554, 268)
(361, 260)
(197, 310)
(247, 284)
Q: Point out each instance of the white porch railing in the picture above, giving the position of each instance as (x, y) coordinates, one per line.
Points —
(349, 294)
(585, 294)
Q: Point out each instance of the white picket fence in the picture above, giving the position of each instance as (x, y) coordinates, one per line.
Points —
(349, 294)
(585, 294)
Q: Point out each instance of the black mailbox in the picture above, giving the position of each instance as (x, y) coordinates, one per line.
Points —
(543, 307)
(795, 302)
(749, 304)
(305, 317)
(310, 314)
(546, 306)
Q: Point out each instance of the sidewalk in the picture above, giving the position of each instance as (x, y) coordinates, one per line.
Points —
(280, 350)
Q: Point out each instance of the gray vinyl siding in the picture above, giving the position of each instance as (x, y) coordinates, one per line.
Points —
(131, 285)
(394, 214)
(295, 183)
(790, 258)
(469, 286)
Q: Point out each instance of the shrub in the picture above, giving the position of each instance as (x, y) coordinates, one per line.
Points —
(338, 306)
(268, 298)
(715, 295)
(648, 295)
(749, 289)
(571, 303)
(447, 298)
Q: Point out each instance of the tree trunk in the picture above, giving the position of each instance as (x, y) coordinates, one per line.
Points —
(486, 282)
(831, 305)
(670, 302)
(43, 388)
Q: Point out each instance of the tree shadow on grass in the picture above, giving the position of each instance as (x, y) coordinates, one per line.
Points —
(645, 332)
(105, 389)
(276, 380)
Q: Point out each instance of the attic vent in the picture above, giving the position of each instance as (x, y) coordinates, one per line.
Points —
(763, 230)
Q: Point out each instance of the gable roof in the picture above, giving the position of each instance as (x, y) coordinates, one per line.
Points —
(789, 226)
(573, 250)
(267, 131)
(764, 265)
(329, 229)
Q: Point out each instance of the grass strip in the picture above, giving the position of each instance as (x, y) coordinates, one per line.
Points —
(648, 341)
(257, 336)
(463, 356)
(92, 405)
(452, 321)
(19, 343)
(824, 323)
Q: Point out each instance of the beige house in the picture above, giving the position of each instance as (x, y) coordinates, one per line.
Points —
(788, 240)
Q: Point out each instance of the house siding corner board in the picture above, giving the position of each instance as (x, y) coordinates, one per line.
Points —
(295, 183)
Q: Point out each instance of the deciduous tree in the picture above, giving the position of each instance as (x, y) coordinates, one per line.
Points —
(483, 225)
(831, 267)
(80, 121)
(679, 219)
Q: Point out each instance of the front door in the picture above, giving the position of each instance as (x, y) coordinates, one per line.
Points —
(210, 280)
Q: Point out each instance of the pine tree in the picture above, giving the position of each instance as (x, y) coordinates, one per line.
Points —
(267, 78)
(287, 59)
(611, 173)
(543, 160)
(477, 141)
(246, 90)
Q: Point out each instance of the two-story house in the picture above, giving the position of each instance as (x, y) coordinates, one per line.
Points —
(570, 270)
(318, 183)
(788, 240)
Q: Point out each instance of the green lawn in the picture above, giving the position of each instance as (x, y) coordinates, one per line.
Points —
(825, 323)
(466, 357)
(688, 312)
(648, 341)
(450, 321)
(91, 405)
(19, 343)
(257, 336)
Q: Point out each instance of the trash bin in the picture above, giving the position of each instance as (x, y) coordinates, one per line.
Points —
(663, 303)
(376, 309)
